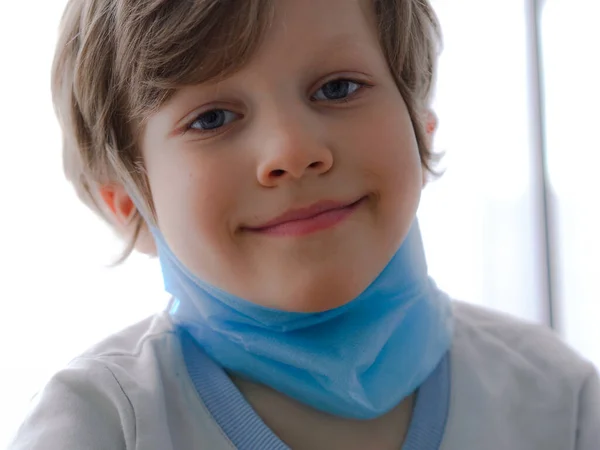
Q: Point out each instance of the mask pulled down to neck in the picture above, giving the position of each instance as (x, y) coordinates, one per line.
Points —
(358, 361)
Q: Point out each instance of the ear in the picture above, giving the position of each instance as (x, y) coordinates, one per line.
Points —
(121, 208)
(431, 124)
(118, 203)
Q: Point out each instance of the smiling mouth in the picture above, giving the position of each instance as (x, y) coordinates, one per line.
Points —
(321, 216)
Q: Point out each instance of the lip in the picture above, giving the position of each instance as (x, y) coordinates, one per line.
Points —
(319, 216)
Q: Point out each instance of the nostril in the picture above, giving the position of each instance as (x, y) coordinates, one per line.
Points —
(278, 173)
(314, 165)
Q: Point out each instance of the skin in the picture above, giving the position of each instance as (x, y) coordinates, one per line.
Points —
(286, 143)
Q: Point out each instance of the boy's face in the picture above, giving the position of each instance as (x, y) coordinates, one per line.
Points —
(314, 117)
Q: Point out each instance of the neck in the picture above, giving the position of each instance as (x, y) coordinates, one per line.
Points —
(358, 361)
(289, 419)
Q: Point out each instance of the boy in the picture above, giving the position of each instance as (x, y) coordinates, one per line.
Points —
(272, 153)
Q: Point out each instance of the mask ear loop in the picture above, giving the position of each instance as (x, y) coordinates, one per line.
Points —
(141, 218)
(146, 216)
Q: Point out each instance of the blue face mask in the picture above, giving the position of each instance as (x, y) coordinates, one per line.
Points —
(356, 361)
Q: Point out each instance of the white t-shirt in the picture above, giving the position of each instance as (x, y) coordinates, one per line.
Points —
(512, 386)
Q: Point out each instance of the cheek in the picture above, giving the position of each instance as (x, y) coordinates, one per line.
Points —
(386, 148)
(195, 201)
(388, 154)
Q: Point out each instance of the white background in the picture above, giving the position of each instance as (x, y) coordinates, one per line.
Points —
(480, 222)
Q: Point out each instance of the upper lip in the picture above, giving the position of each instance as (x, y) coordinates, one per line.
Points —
(305, 213)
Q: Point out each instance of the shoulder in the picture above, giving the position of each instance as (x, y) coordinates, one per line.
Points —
(133, 340)
(482, 334)
(131, 390)
(518, 385)
(145, 354)
(90, 403)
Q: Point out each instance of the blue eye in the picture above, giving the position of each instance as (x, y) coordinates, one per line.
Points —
(212, 120)
(337, 90)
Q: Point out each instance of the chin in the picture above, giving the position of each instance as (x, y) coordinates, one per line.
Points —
(322, 297)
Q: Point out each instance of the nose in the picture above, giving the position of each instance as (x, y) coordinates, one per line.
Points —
(292, 151)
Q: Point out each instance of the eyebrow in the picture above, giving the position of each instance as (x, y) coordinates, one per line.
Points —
(348, 43)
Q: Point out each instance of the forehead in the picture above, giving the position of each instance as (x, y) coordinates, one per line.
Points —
(305, 36)
(307, 25)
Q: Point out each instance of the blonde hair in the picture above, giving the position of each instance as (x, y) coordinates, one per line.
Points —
(118, 60)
